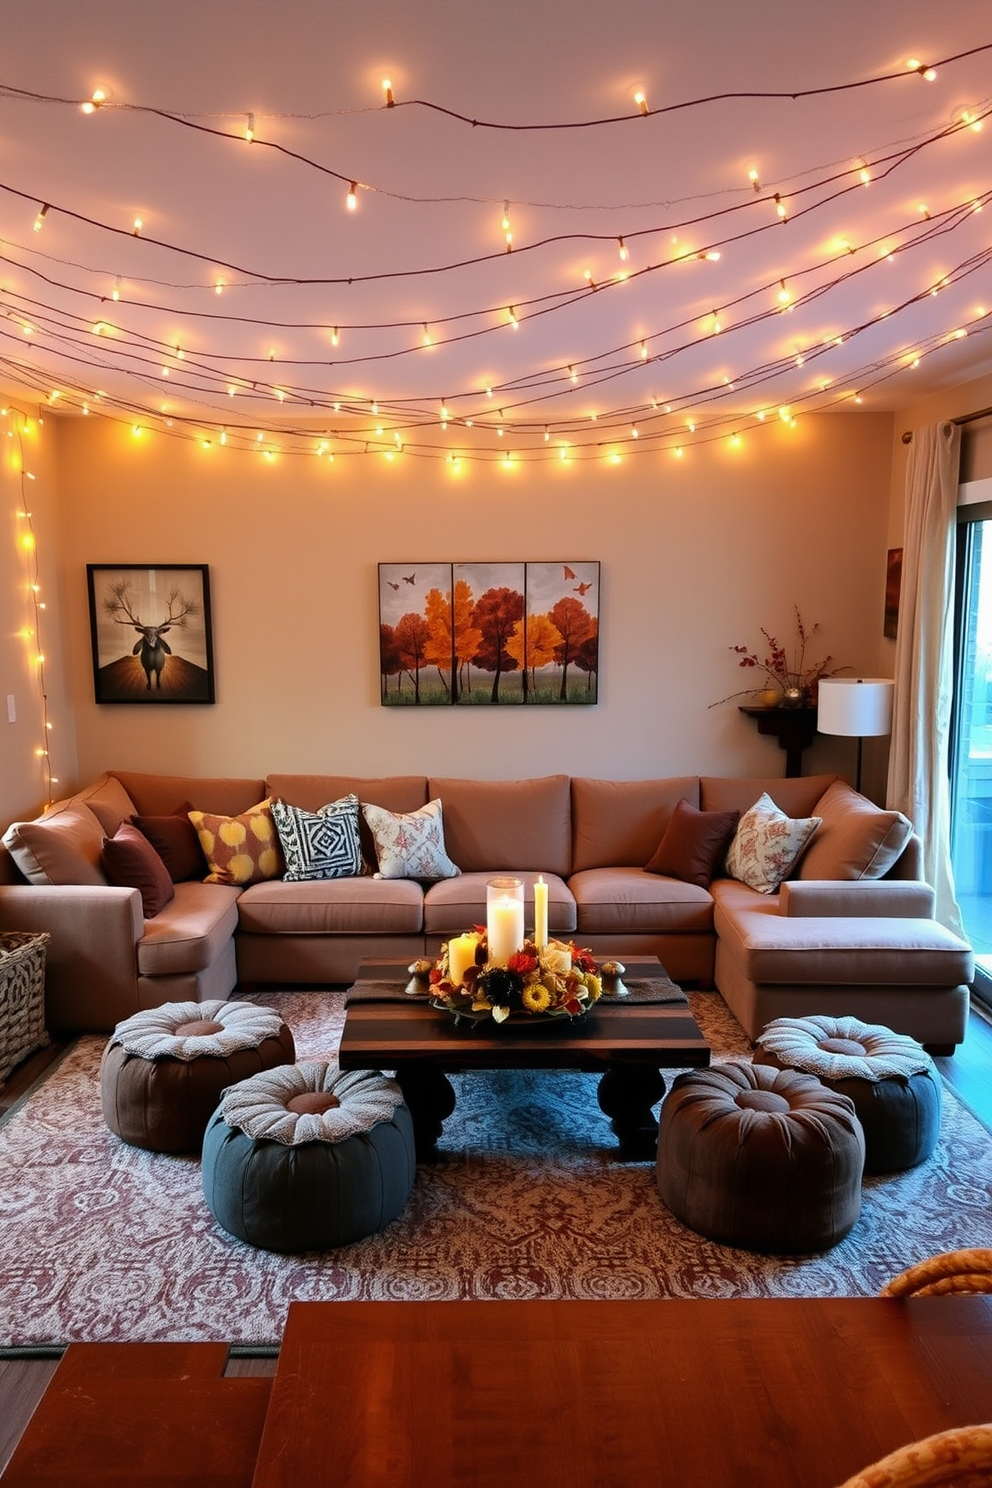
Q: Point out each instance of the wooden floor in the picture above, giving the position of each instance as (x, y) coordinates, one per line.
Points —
(23, 1379)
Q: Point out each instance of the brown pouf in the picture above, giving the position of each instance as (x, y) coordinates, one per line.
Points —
(890, 1078)
(164, 1069)
(768, 1160)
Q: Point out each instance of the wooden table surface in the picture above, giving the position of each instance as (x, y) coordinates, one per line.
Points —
(626, 1043)
(783, 1393)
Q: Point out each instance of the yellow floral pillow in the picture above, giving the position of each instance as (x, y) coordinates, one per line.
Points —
(241, 849)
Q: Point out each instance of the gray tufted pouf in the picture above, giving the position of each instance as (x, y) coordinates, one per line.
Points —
(769, 1160)
(308, 1157)
(163, 1070)
(890, 1078)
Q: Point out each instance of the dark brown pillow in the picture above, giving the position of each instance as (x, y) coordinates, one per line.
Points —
(175, 840)
(130, 862)
(694, 845)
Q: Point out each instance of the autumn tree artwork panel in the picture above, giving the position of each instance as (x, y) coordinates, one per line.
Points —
(489, 606)
(558, 643)
(488, 634)
(416, 644)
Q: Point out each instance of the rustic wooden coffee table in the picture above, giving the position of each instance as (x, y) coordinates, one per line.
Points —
(627, 1041)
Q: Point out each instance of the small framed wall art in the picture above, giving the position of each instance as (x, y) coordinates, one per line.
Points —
(150, 632)
(488, 634)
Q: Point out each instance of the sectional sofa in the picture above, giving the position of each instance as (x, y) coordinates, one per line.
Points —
(850, 931)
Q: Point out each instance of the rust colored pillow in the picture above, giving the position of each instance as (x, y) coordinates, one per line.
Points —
(175, 840)
(694, 845)
(130, 862)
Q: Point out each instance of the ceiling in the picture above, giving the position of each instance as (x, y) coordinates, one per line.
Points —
(796, 181)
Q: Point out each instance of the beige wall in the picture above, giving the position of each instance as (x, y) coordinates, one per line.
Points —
(39, 693)
(696, 555)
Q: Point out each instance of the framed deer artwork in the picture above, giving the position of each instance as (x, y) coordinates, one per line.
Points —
(150, 631)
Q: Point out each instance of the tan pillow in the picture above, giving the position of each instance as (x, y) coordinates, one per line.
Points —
(240, 850)
(63, 847)
(856, 838)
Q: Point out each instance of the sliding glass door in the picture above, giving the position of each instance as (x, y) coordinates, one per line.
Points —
(971, 744)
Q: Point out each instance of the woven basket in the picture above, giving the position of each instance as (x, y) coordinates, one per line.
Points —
(22, 996)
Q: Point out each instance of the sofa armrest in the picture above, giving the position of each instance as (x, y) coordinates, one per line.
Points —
(903, 899)
(91, 968)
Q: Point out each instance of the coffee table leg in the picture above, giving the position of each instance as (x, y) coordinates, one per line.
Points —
(430, 1098)
(626, 1094)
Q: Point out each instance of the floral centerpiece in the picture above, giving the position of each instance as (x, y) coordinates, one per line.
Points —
(788, 679)
(557, 979)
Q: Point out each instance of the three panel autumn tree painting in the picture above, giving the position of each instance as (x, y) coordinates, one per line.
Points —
(483, 634)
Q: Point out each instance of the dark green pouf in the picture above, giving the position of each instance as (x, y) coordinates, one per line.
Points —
(768, 1160)
(339, 1165)
(890, 1078)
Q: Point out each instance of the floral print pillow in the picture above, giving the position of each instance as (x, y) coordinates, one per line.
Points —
(768, 845)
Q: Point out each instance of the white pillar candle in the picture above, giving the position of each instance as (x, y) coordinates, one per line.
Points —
(504, 919)
(461, 955)
(540, 913)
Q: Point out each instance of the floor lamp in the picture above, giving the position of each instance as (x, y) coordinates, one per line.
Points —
(858, 707)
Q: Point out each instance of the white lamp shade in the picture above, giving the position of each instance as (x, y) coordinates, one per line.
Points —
(858, 706)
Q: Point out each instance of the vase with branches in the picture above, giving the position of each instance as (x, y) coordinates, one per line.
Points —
(791, 677)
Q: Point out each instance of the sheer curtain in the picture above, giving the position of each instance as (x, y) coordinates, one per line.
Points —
(918, 749)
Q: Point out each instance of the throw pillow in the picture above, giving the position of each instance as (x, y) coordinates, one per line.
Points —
(130, 862)
(694, 844)
(174, 839)
(410, 845)
(857, 839)
(767, 845)
(319, 844)
(240, 850)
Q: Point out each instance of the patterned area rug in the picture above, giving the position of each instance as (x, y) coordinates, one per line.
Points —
(99, 1240)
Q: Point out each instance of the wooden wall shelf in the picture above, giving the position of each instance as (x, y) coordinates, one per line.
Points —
(795, 729)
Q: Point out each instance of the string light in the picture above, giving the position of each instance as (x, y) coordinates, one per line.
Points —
(351, 200)
(91, 104)
(641, 102)
(387, 89)
(622, 248)
(39, 221)
(752, 176)
(250, 128)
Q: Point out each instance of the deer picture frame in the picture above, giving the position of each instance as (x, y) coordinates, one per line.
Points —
(150, 632)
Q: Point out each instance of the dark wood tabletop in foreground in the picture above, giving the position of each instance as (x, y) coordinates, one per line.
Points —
(785, 1393)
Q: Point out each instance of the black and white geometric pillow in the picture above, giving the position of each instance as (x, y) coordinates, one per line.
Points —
(319, 844)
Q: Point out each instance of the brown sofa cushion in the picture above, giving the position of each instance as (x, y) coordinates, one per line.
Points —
(63, 847)
(694, 845)
(155, 795)
(628, 901)
(619, 823)
(856, 839)
(130, 862)
(333, 906)
(506, 825)
(795, 796)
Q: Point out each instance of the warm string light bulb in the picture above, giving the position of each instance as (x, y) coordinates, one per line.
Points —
(753, 177)
(641, 102)
(622, 250)
(250, 128)
(116, 291)
(351, 200)
(39, 221)
(387, 93)
(91, 105)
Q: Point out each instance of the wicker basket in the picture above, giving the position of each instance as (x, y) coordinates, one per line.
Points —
(22, 996)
